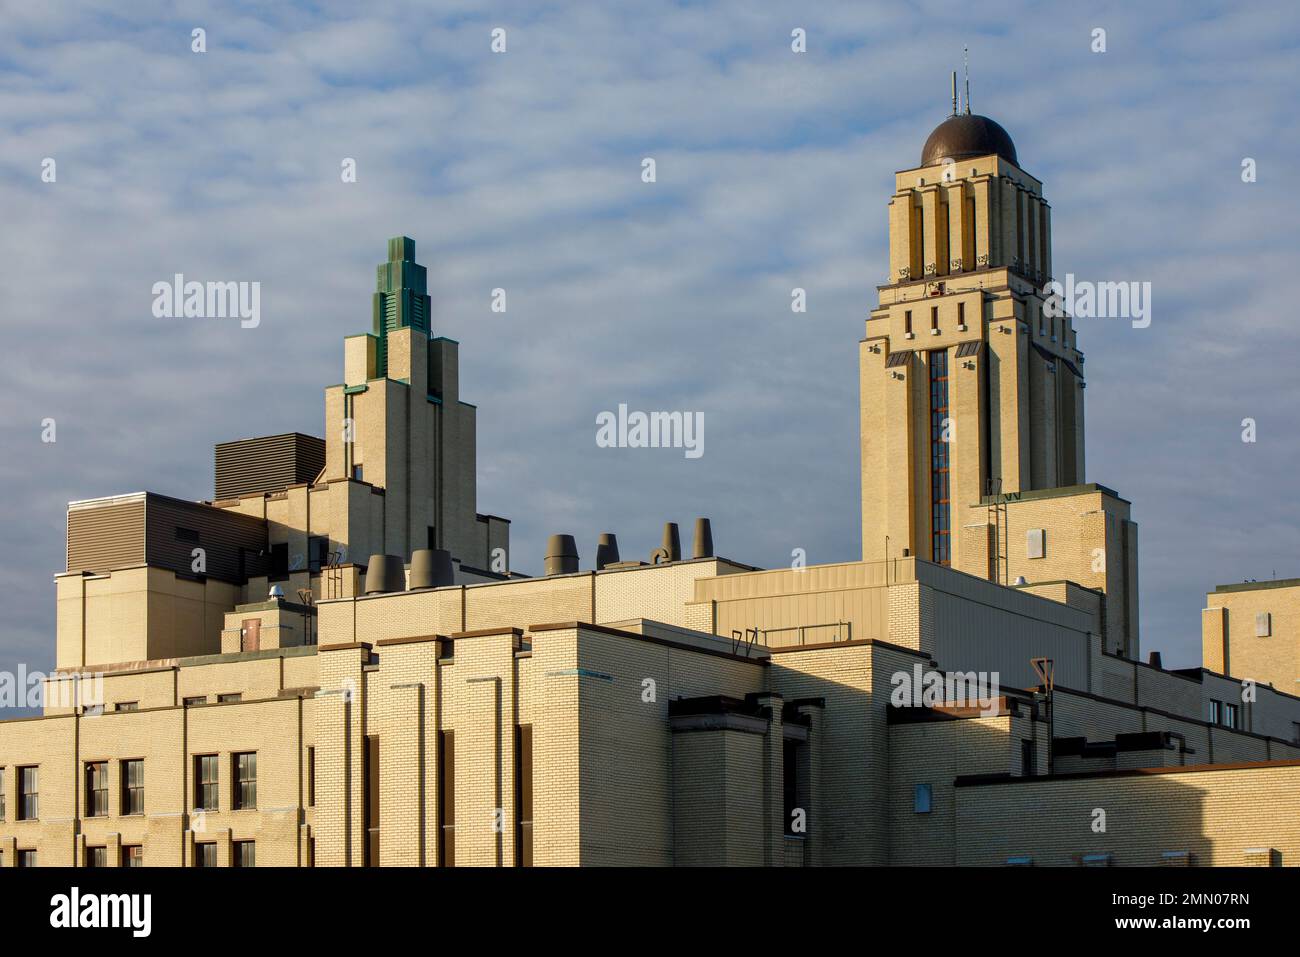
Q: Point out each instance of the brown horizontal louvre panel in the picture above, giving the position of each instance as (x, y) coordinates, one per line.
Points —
(106, 533)
(969, 349)
(266, 464)
(900, 358)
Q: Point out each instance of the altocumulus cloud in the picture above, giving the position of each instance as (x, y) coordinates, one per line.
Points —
(521, 171)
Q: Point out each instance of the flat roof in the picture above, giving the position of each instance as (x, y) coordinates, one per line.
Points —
(979, 780)
(1258, 586)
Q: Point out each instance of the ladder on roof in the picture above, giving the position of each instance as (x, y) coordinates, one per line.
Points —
(332, 586)
(999, 561)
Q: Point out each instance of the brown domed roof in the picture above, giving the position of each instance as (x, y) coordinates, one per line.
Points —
(965, 137)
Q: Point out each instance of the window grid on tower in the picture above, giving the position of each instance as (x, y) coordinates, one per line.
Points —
(940, 540)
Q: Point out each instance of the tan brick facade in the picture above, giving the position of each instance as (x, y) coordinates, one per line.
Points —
(698, 712)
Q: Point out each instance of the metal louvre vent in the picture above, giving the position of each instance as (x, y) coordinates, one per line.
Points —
(1047, 356)
(900, 358)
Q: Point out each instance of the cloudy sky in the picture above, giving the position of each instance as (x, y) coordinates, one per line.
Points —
(521, 171)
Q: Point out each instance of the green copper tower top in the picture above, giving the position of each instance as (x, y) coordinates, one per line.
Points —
(401, 296)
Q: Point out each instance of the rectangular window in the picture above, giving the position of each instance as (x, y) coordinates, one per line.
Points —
(318, 549)
(133, 786)
(132, 855)
(961, 313)
(187, 535)
(2, 781)
(370, 799)
(1230, 716)
(1028, 758)
(524, 795)
(27, 858)
(127, 706)
(1215, 715)
(1263, 624)
(97, 857)
(919, 271)
(244, 854)
(940, 432)
(245, 780)
(205, 782)
(279, 569)
(205, 855)
(922, 796)
(311, 777)
(934, 318)
(790, 787)
(972, 230)
(907, 322)
(230, 698)
(196, 700)
(357, 473)
(28, 794)
(447, 799)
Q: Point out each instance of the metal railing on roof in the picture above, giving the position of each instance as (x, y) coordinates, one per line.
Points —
(821, 634)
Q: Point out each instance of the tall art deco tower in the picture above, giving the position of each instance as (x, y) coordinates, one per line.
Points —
(972, 433)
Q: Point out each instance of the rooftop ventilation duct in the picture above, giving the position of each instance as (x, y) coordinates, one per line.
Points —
(431, 568)
(384, 573)
(671, 550)
(606, 550)
(703, 539)
(561, 555)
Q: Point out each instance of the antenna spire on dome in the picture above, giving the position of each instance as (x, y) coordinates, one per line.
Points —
(965, 56)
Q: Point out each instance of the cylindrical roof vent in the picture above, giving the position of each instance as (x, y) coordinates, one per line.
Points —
(671, 550)
(561, 555)
(703, 539)
(606, 550)
(431, 568)
(384, 573)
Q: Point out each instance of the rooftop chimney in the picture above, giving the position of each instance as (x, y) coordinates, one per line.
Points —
(561, 555)
(606, 550)
(703, 539)
(671, 550)
(1155, 662)
(431, 568)
(384, 573)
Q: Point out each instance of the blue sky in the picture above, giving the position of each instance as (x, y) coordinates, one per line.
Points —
(522, 171)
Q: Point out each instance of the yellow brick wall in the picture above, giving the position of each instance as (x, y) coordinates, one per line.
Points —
(1274, 659)
(935, 753)
(1145, 815)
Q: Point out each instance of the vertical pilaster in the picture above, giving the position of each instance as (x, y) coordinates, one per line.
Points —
(774, 822)
(340, 744)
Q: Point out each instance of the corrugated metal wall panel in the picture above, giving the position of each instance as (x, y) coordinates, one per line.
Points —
(106, 535)
(221, 534)
(111, 533)
(266, 464)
